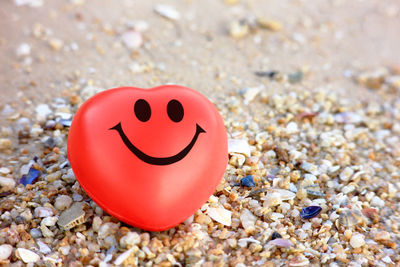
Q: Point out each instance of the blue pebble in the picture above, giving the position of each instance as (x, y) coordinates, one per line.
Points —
(30, 178)
(310, 212)
(247, 181)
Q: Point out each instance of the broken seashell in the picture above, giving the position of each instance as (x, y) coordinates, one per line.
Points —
(351, 217)
(220, 215)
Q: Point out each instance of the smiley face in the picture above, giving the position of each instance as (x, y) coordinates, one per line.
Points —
(143, 113)
(149, 157)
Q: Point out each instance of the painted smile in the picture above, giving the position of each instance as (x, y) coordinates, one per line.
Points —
(154, 160)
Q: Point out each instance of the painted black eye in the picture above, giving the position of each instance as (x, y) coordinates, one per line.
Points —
(175, 110)
(142, 110)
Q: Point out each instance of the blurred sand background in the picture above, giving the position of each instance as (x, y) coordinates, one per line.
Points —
(329, 40)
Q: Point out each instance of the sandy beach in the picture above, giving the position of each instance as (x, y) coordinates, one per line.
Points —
(310, 97)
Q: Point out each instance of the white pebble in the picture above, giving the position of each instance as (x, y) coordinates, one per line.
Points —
(63, 202)
(292, 128)
(306, 226)
(132, 39)
(250, 93)
(4, 170)
(46, 232)
(107, 229)
(285, 207)
(272, 199)
(309, 167)
(387, 259)
(96, 223)
(26, 255)
(36, 130)
(42, 111)
(7, 183)
(248, 219)
(346, 174)
(283, 193)
(65, 250)
(49, 221)
(43, 247)
(167, 11)
(276, 216)
(5, 251)
(357, 240)
(377, 202)
(43, 212)
(348, 189)
(310, 177)
(23, 49)
(220, 215)
(129, 240)
(240, 146)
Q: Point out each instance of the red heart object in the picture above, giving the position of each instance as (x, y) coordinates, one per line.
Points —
(149, 157)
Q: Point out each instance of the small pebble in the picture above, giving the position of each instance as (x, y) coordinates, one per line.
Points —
(56, 44)
(238, 29)
(53, 176)
(310, 212)
(43, 247)
(35, 233)
(43, 111)
(129, 240)
(63, 202)
(26, 255)
(346, 174)
(357, 240)
(49, 221)
(272, 199)
(167, 11)
(283, 193)
(377, 202)
(382, 236)
(5, 251)
(309, 167)
(250, 93)
(269, 24)
(292, 128)
(248, 220)
(41, 212)
(121, 258)
(247, 181)
(220, 215)
(295, 77)
(240, 146)
(4, 171)
(132, 40)
(65, 122)
(5, 143)
(23, 49)
(6, 183)
(275, 235)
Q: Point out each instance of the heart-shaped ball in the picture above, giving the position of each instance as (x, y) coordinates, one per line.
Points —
(149, 157)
